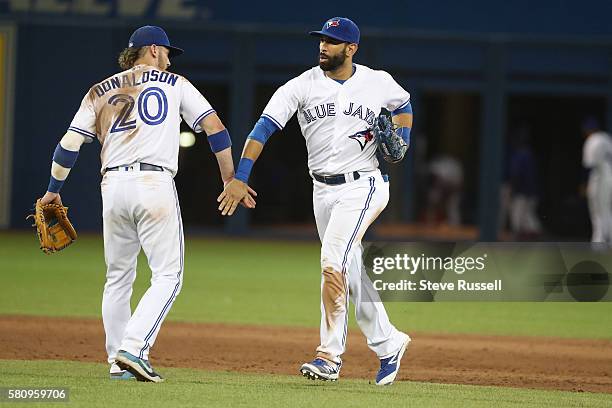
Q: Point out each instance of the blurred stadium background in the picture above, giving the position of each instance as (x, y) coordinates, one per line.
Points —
(486, 78)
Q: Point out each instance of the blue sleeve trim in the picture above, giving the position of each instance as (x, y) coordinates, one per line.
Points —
(202, 116)
(220, 141)
(263, 129)
(83, 132)
(55, 185)
(404, 133)
(244, 169)
(276, 122)
(404, 108)
(65, 158)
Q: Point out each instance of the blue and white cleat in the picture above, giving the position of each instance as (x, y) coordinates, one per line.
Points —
(117, 373)
(389, 367)
(321, 369)
(141, 369)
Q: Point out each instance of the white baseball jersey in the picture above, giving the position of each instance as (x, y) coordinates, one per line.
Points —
(335, 117)
(136, 116)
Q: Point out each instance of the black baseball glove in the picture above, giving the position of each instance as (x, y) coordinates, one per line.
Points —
(392, 147)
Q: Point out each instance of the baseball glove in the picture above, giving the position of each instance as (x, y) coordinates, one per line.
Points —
(390, 144)
(54, 230)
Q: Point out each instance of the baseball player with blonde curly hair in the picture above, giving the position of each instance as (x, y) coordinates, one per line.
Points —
(135, 115)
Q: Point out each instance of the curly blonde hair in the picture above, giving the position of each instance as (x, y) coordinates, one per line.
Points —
(128, 56)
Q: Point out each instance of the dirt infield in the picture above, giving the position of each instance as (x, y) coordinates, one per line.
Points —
(530, 362)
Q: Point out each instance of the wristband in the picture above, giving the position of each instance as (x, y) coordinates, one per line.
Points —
(219, 141)
(55, 185)
(244, 169)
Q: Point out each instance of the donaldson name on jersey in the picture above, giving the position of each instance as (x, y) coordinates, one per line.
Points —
(136, 116)
(131, 79)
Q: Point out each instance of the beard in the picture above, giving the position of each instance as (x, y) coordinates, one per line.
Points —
(333, 62)
(160, 63)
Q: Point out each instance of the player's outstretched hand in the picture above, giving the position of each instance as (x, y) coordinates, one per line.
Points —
(51, 198)
(249, 200)
(235, 191)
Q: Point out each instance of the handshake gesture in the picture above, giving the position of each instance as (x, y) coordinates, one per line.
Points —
(235, 192)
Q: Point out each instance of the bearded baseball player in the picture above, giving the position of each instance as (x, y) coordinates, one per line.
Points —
(337, 103)
(135, 115)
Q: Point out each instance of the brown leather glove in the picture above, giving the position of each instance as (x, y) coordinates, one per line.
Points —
(54, 230)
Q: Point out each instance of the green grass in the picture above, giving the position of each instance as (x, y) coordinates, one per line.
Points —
(89, 386)
(251, 282)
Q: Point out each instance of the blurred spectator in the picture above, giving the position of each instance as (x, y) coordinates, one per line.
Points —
(597, 160)
(523, 188)
(444, 194)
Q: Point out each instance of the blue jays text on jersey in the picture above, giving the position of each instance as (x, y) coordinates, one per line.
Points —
(329, 109)
(130, 79)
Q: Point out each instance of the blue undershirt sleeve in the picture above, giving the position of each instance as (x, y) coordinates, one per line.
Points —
(405, 109)
(404, 133)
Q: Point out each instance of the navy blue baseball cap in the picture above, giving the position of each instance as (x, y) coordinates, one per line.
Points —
(149, 35)
(341, 29)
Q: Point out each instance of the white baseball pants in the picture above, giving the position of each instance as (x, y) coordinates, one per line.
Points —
(343, 213)
(140, 210)
(599, 195)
